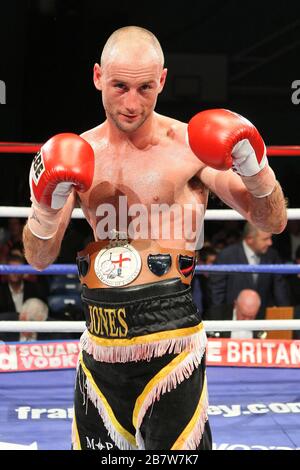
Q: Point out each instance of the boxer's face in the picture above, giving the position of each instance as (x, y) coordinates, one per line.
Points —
(129, 90)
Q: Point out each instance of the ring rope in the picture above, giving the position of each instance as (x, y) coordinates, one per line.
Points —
(250, 268)
(211, 325)
(283, 150)
(210, 214)
(27, 147)
(19, 147)
(55, 269)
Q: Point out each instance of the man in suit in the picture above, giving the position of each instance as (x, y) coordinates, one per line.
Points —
(255, 248)
(33, 309)
(15, 290)
(200, 290)
(288, 241)
(245, 307)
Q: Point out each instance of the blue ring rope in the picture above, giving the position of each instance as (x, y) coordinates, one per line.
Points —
(250, 268)
(56, 269)
(26, 269)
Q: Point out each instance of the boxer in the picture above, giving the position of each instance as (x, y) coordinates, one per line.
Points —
(141, 381)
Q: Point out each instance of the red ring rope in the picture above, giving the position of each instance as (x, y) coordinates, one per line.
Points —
(22, 147)
(286, 150)
(19, 147)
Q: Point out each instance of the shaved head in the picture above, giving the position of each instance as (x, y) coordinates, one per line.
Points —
(130, 76)
(134, 39)
(249, 297)
(247, 304)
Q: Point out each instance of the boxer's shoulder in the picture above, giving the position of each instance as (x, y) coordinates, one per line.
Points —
(176, 131)
(173, 128)
(95, 135)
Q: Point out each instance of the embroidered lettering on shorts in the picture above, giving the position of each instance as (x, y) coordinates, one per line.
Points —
(108, 322)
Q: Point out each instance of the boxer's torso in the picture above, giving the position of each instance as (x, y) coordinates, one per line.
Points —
(151, 192)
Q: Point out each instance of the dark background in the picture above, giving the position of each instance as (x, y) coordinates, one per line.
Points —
(240, 55)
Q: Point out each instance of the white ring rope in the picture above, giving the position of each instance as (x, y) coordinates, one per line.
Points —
(79, 326)
(211, 214)
(43, 326)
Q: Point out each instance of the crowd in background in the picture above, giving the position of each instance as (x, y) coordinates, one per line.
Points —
(217, 295)
(221, 296)
(31, 297)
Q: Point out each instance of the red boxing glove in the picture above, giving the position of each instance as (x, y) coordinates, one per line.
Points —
(222, 139)
(66, 161)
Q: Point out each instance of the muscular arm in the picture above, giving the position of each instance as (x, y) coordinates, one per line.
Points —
(267, 213)
(40, 253)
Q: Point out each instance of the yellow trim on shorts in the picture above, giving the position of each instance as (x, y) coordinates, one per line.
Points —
(152, 338)
(77, 438)
(124, 433)
(180, 441)
(154, 381)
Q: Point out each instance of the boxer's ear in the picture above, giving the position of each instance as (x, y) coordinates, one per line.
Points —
(97, 77)
(162, 80)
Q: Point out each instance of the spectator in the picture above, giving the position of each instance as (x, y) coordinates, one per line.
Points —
(288, 241)
(200, 290)
(14, 241)
(294, 282)
(255, 248)
(245, 307)
(230, 232)
(33, 309)
(15, 290)
(294, 285)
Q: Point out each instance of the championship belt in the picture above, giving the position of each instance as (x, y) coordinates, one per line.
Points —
(119, 263)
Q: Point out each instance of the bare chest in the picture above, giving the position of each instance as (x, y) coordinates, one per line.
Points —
(160, 176)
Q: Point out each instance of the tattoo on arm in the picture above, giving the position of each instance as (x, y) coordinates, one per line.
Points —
(35, 217)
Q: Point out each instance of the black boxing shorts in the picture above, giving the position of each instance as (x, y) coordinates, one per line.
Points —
(141, 381)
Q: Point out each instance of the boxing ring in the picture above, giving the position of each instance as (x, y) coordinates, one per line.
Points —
(251, 408)
(253, 385)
